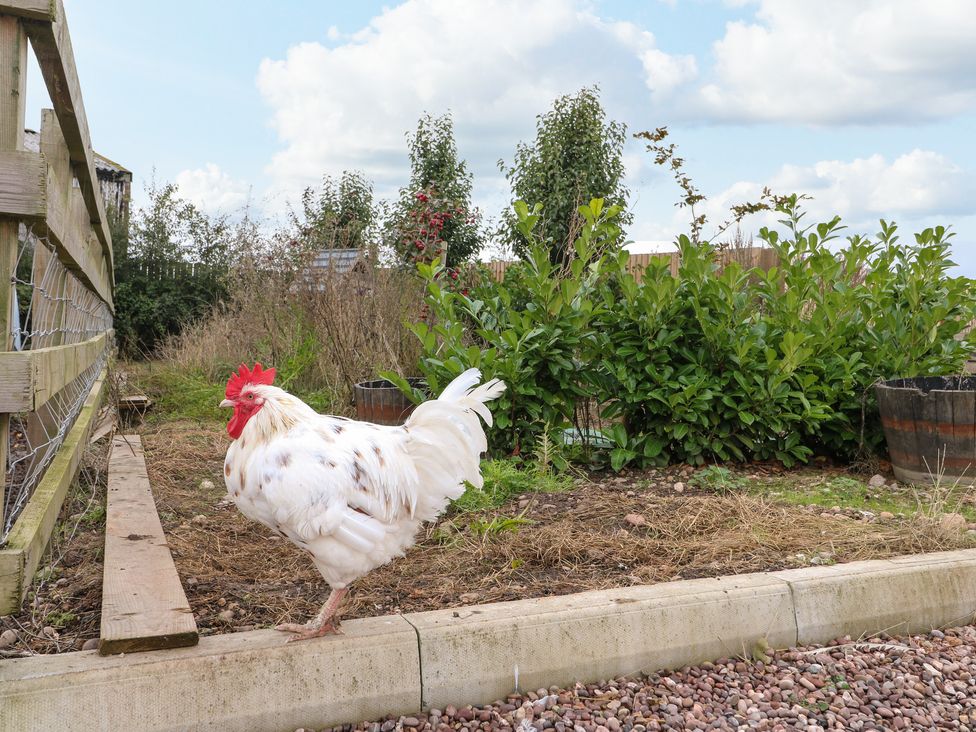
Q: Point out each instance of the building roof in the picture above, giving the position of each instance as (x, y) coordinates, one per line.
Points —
(341, 261)
(32, 142)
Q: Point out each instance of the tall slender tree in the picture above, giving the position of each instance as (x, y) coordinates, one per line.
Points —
(577, 156)
(339, 214)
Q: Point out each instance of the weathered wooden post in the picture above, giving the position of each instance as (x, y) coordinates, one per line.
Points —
(13, 74)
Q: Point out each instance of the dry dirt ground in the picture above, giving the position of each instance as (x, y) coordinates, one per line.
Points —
(607, 530)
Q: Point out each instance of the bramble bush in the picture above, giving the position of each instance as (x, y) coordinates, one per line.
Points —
(715, 363)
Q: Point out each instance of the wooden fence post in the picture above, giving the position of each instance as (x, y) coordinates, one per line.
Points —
(13, 74)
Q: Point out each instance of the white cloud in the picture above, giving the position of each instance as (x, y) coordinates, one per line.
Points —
(920, 185)
(495, 65)
(211, 189)
(836, 61)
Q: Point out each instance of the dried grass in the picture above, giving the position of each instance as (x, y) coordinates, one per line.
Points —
(324, 331)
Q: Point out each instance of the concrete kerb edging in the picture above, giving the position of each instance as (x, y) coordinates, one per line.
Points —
(398, 664)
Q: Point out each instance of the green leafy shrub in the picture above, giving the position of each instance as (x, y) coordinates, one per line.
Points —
(538, 333)
(170, 269)
(715, 362)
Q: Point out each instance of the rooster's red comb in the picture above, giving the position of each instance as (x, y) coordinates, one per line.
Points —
(245, 376)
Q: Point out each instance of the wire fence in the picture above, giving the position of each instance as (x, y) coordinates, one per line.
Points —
(51, 307)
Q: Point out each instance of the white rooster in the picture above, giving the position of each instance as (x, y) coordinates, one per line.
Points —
(351, 494)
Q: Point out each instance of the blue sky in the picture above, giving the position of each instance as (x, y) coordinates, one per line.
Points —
(868, 106)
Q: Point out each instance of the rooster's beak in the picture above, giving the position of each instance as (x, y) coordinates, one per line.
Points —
(227, 403)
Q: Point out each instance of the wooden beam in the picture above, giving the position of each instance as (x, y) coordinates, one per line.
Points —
(21, 556)
(144, 607)
(52, 46)
(28, 379)
(23, 183)
(32, 9)
(66, 219)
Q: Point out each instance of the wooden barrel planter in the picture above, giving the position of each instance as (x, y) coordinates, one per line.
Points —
(381, 402)
(930, 427)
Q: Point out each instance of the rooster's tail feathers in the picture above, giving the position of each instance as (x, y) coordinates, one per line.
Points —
(448, 440)
(463, 391)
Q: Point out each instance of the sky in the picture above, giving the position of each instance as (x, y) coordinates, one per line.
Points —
(869, 107)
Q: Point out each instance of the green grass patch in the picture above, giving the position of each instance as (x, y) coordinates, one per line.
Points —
(848, 492)
(506, 479)
(191, 395)
(179, 395)
(498, 525)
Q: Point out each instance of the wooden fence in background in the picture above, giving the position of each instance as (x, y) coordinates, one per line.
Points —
(761, 257)
(54, 196)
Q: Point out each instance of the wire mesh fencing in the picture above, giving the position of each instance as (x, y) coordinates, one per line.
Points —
(50, 306)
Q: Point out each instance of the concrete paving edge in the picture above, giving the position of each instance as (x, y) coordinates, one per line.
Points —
(398, 664)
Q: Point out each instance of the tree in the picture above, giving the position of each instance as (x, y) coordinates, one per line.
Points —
(339, 215)
(439, 191)
(576, 157)
(170, 268)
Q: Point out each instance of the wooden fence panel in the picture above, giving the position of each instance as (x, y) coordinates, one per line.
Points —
(52, 225)
(761, 257)
(13, 92)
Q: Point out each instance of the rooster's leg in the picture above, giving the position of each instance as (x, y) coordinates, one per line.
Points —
(324, 623)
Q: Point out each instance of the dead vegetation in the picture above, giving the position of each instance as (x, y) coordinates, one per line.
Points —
(324, 331)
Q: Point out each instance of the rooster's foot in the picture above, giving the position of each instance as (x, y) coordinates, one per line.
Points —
(306, 631)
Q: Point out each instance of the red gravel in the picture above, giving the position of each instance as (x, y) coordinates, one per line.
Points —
(916, 683)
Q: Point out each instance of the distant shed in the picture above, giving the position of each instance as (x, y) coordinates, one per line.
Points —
(340, 261)
(114, 181)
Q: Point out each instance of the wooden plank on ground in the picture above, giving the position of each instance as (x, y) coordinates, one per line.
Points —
(21, 555)
(144, 607)
(28, 379)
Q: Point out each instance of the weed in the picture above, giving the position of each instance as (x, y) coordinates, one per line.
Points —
(47, 574)
(718, 480)
(498, 525)
(60, 619)
(504, 480)
(94, 515)
(941, 497)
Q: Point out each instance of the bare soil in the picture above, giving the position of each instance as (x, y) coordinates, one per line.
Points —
(607, 531)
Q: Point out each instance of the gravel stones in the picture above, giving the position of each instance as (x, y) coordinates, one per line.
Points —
(915, 683)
